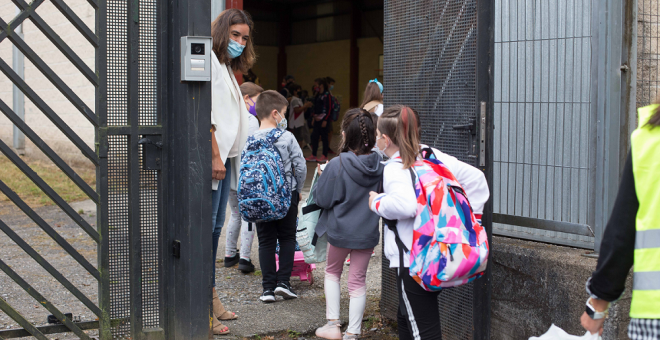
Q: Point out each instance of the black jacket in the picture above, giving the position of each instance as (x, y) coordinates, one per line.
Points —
(617, 249)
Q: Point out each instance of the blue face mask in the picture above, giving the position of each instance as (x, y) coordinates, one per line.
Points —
(332, 87)
(235, 49)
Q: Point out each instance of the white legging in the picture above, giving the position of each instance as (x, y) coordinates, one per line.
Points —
(237, 225)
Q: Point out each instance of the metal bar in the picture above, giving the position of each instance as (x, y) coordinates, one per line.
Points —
(54, 329)
(42, 300)
(75, 21)
(95, 5)
(49, 268)
(48, 72)
(134, 227)
(48, 190)
(101, 106)
(48, 229)
(50, 329)
(20, 124)
(536, 223)
(20, 18)
(41, 105)
(127, 130)
(59, 43)
(5, 307)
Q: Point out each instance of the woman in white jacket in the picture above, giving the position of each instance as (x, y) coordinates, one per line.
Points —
(398, 138)
(233, 51)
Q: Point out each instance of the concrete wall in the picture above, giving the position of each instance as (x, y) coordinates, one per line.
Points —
(63, 68)
(537, 284)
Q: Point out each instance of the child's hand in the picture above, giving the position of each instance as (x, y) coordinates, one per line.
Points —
(318, 169)
(372, 196)
(299, 197)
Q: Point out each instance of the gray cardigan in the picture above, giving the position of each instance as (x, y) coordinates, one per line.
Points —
(342, 191)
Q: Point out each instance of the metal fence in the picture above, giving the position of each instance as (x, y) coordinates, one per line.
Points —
(28, 11)
(443, 73)
(543, 173)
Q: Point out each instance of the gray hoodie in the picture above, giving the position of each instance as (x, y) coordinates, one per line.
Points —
(343, 192)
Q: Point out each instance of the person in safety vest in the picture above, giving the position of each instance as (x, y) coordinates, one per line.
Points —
(632, 237)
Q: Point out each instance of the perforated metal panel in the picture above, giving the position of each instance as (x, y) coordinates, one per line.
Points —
(118, 233)
(430, 65)
(133, 193)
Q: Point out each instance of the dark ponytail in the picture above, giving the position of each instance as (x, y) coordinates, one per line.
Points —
(359, 132)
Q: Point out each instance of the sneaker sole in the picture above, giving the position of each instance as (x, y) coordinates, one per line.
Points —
(286, 294)
(269, 299)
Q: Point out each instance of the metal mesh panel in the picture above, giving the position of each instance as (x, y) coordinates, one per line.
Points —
(434, 73)
(149, 226)
(116, 62)
(648, 55)
(118, 232)
(542, 116)
(147, 62)
(149, 217)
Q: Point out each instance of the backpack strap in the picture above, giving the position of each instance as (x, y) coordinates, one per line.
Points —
(274, 135)
(391, 224)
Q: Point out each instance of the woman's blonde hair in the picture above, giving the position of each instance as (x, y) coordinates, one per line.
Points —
(220, 33)
(399, 123)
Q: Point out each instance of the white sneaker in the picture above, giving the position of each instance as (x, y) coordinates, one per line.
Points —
(330, 331)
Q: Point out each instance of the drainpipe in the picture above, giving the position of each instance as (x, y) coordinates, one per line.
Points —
(17, 96)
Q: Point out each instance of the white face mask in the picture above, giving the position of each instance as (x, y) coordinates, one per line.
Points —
(282, 124)
(381, 152)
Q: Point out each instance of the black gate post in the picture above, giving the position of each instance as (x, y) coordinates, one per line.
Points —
(485, 99)
(188, 189)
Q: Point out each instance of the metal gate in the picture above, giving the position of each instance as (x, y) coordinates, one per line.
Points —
(438, 61)
(153, 262)
(28, 11)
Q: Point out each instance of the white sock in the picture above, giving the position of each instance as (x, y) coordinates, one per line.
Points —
(355, 313)
(332, 295)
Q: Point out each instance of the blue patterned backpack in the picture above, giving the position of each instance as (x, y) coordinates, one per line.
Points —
(263, 191)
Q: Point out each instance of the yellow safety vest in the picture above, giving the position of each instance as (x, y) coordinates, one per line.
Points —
(646, 170)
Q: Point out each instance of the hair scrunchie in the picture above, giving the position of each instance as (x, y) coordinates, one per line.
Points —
(380, 86)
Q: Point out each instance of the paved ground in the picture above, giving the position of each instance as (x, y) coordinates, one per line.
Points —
(283, 319)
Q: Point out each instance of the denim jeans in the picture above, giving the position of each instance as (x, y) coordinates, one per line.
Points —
(219, 207)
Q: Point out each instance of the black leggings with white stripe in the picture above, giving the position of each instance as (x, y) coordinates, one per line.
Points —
(418, 315)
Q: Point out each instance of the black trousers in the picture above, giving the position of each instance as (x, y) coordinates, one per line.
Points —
(269, 233)
(322, 132)
(418, 316)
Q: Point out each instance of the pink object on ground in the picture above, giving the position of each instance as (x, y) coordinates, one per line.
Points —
(300, 267)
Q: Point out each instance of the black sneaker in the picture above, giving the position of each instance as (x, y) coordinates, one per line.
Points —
(284, 290)
(267, 296)
(231, 261)
(245, 266)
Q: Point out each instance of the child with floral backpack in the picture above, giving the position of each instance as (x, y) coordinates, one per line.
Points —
(398, 138)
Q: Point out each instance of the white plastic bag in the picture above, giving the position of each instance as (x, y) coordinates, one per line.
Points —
(556, 333)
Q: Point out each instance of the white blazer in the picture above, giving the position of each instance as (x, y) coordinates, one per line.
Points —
(228, 114)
